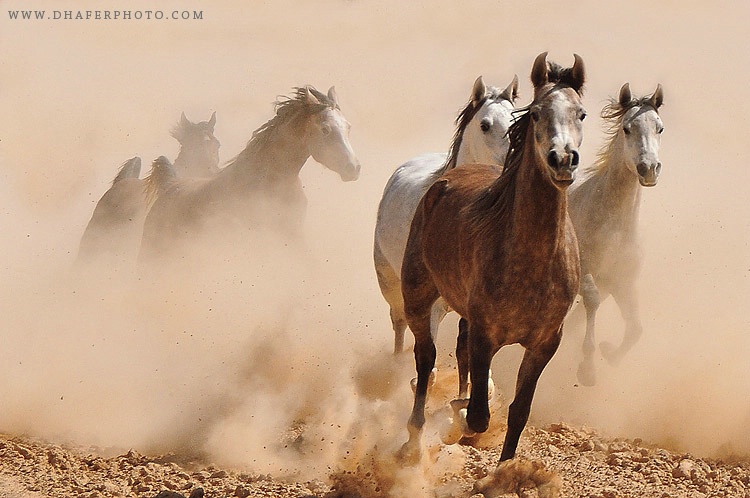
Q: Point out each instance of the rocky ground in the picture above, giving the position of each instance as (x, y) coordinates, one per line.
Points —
(556, 461)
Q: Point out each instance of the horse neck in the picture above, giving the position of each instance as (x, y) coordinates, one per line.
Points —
(195, 160)
(540, 210)
(277, 160)
(615, 181)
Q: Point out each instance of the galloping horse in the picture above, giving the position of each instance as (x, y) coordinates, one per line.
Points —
(501, 250)
(261, 186)
(114, 232)
(604, 206)
(480, 137)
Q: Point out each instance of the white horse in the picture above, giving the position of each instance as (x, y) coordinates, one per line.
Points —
(604, 207)
(480, 137)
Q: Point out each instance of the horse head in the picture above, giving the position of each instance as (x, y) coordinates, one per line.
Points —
(641, 128)
(557, 115)
(328, 135)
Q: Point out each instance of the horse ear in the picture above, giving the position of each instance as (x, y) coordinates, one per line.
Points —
(310, 98)
(539, 70)
(332, 95)
(625, 95)
(183, 119)
(212, 121)
(657, 99)
(478, 91)
(579, 73)
(511, 91)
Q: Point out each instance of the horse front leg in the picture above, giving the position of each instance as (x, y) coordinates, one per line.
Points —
(591, 300)
(627, 300)
(462, 358)
(532, 365)
(480, 358)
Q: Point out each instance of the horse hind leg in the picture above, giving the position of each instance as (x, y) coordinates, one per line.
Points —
(390, 287)
(627, 301)
(586, 373)
(425, 354)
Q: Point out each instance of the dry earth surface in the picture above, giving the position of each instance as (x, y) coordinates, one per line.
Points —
(558, 460)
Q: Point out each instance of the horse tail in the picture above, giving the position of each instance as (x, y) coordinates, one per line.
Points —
(129, 169)
(161, 177)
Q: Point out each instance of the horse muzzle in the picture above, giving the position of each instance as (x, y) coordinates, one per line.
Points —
(351, 173)
(648, 173)
(563, 166)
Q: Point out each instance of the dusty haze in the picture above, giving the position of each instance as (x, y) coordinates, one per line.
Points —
(223, 359)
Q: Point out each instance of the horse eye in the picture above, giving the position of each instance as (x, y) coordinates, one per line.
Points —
(325, 130)
(626, 129)
(484, 125)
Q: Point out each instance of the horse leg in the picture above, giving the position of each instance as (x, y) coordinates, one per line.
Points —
(480, 359)
(627, 300)
(390, 287)
(532, 365)
(591, 300)
(424, 356)
(419, 294)
(462, 358)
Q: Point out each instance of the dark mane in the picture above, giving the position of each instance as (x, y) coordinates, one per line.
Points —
(563, 76)
(500, 196)
(462, 121)
(287, 110)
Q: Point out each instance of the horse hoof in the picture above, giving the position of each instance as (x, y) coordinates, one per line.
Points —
(516, 475)
(431, 382)
(610, 352)
(410, 453)
(586, 373)
(455, 427)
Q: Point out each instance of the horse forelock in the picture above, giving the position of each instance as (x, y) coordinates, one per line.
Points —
(562, 76)
(613, 113)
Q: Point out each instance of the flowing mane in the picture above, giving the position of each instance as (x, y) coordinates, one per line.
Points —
(288, 109)
(462, 121)
(500, 196)
(613, 114)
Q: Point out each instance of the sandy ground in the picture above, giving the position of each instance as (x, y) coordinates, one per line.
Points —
(216, 364)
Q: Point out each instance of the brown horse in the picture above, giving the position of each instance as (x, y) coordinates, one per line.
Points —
(113, 235)
(261, 186)
(501, 250)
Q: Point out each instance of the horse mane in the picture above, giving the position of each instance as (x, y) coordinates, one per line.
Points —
(613, 114)
(462, 121)
(498, 199)
(129, 169)
(162, 176)
(287, 109)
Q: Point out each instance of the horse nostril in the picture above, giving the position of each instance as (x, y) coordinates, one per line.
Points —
(642, 169)
(552, 159)
(575, 158)
(658, 168)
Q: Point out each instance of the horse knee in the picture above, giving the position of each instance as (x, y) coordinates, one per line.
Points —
(590, 293)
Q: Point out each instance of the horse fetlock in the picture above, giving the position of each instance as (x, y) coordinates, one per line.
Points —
(430, 382)
(455, 427)
(586, 373)
(477, 421)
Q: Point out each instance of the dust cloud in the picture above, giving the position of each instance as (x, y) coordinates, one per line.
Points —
(223, 359)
